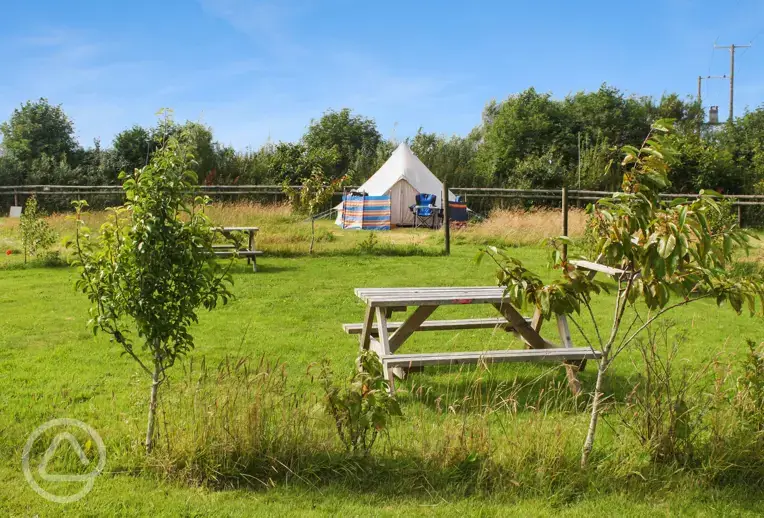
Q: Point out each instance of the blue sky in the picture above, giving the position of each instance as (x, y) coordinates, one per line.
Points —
(260, 69)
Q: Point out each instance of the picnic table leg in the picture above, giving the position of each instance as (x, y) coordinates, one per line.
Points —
(368, 322)
(382, 330)
(536, 322)
(571, 368)
(252, 249)
(364, 339)
(529, 335)
(385, 343)
(408, 327)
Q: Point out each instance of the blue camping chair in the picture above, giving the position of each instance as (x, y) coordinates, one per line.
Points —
(424, 210)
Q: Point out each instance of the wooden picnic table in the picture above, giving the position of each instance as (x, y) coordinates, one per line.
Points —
(230, 249)
(385, 337)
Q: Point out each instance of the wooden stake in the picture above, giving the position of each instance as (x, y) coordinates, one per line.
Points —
(565, 222)
(740, 216)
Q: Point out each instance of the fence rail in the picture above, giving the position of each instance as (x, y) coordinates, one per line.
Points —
(117, 189)
(470, 192)
(481, 199)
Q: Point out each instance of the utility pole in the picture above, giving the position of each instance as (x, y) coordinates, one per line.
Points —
(579, 160)
(732, 72)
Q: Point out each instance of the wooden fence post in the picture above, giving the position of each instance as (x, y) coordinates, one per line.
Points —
(740, 215)
(446, 219)
(565, 222)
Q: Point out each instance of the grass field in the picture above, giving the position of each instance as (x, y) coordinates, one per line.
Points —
(518, 421)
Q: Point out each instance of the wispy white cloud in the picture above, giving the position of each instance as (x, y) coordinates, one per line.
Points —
(312, 76)
(270, 89)
(268, 22)
(50, 37)
(62, 61)
(100, 91)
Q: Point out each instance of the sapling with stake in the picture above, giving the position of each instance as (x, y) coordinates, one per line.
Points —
(152, 266)
(314, 193)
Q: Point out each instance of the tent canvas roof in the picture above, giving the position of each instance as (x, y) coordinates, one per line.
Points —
(403, 164)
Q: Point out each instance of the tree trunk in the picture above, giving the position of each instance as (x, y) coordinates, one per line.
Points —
(589, 442)
(620, 307)
(312, 233)
(152, 408)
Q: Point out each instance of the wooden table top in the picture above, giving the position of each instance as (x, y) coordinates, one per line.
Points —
(237, 229)
(387, 297)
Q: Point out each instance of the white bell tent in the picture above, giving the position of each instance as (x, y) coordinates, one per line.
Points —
(402, 177)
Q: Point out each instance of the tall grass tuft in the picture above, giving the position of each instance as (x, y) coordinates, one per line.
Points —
(239, 422)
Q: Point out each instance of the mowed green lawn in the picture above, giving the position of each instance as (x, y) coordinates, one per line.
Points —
(51, 366)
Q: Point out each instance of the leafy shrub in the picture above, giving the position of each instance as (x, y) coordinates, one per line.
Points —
(368, 245)
(364, 407)
(53, 259)
(36, 234)
(327, 236)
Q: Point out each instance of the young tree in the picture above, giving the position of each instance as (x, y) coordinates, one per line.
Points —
(667, 255)
(313, 195)
(36, 234)
(153, 267)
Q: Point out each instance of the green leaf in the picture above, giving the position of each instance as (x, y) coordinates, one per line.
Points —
(666, 245)
(663, 125)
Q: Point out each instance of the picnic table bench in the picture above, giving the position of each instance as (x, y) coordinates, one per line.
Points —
(386, 337)
(232, 248)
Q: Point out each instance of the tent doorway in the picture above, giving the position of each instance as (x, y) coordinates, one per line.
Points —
(402, 196)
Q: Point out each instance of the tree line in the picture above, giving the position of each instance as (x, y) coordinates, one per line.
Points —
(528, 140)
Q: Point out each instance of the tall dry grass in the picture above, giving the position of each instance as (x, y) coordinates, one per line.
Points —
(512, 227)
(223, 214)
(283, 233)
(250, 213)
